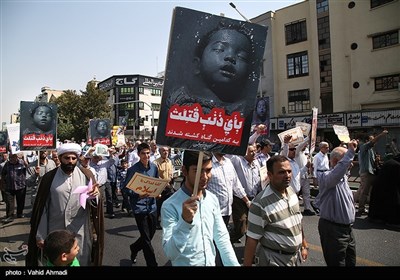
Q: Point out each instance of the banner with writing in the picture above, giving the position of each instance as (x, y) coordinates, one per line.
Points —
(143, 184)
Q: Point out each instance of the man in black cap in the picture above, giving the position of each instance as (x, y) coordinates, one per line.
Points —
(263, 154)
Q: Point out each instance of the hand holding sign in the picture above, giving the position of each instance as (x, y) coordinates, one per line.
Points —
(296, 133)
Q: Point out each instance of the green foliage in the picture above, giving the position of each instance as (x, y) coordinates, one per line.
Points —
(75, 111)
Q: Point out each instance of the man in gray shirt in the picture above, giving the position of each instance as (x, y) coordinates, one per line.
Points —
(337, 211)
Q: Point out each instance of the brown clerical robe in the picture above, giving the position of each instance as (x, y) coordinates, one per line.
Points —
(96, 215)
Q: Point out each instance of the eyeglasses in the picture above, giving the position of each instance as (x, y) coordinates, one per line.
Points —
(292, 149)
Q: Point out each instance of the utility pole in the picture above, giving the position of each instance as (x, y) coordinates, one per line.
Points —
(233, 6)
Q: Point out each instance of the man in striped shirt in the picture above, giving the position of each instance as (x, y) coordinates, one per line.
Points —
(275, 221)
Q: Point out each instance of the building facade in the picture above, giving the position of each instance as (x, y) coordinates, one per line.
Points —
(136, 101)
(48, 95)
(342, 57)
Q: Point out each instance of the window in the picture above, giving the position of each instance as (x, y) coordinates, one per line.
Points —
(297, 65)
(155, 106)
(377, 3)
(387, 82)
(322, 6)
(385, 39)
(299, 101)
(130, 122)
(126, 90)
(141, 90)
(351, 5)
(155, 92)
(141, 106)
(296, 32)
(127, 106)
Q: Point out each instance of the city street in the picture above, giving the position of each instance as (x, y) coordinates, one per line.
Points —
(377, 244)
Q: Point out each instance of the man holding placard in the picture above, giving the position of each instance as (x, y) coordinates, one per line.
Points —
(143, 206)
(192, 221)
(366, 159)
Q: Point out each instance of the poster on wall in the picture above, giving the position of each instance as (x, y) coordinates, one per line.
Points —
(38, 129)
(211, 81)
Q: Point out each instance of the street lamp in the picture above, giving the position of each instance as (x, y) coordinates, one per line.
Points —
(233, 6)
(147, 104)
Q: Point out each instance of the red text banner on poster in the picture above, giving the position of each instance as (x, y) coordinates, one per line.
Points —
(31, 140)
(189, 122)
(105, 141)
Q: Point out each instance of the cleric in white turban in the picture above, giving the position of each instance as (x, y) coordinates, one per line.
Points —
(58, 206)
(69, 148)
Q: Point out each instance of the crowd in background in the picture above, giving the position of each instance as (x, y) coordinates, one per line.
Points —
(234, 180)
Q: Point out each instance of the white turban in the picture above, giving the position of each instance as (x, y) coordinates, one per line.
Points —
(69, 148)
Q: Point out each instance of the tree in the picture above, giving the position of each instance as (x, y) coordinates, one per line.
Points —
(75, 111)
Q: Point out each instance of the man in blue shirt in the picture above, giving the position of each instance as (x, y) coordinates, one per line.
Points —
(143, 207)
(191, 220)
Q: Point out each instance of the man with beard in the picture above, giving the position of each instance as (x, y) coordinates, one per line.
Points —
(58, 207)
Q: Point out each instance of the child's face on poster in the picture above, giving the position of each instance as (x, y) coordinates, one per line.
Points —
(102, 128)
(261, 108)
(225, 62)
(43, 117)
(2, 138)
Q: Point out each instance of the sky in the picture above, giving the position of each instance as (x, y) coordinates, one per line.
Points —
(65, 44)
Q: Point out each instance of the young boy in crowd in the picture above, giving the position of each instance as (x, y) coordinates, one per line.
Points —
(61, 248)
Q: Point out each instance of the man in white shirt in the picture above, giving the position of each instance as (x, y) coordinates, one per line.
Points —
(321, 164)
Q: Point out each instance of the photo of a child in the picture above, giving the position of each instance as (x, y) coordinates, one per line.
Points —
(261, 113)
(100, 131)
(38, 125)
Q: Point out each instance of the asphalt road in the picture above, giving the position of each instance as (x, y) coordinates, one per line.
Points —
(377, 244)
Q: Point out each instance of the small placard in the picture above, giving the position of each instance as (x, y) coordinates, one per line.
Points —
(297, 135)
(342, 133)
(143, 184)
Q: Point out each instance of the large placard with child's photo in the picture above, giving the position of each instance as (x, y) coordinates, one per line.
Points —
(211, 82)
(3, 141)
(100, 131)
(38, 129)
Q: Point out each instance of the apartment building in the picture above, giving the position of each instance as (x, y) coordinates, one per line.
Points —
(135, 99)
(342, 57)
